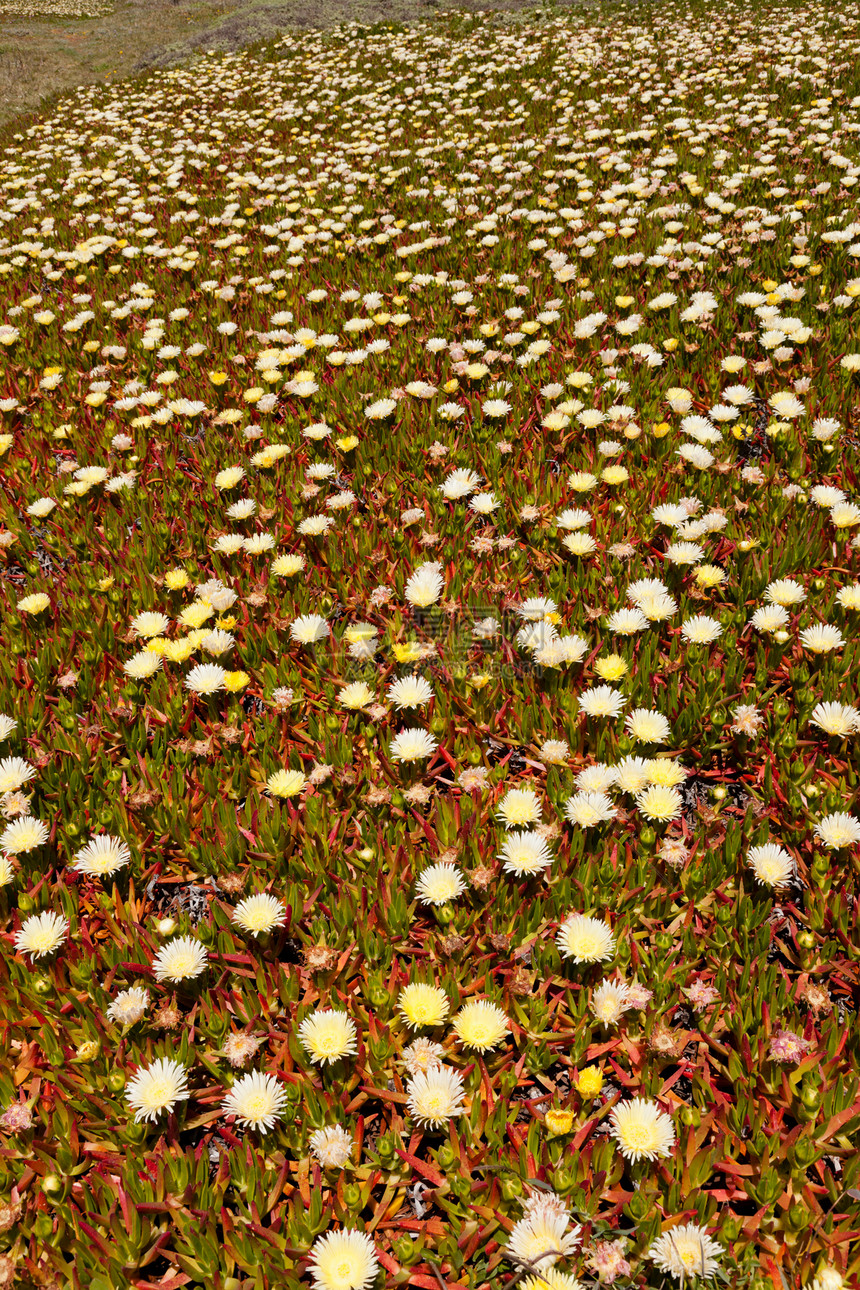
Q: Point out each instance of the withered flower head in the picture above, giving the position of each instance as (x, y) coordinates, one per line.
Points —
(419, 794)
(521, 982)
(238, 1048)
(167, 1016)
(666, 1042)
(320, 958)
(817, 997)
(17, 1118)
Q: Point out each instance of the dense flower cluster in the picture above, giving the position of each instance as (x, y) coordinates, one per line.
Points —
(431, 570)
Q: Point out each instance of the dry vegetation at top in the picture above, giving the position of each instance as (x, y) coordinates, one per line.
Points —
(43, 51)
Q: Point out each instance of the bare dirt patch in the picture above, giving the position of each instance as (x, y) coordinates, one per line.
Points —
(45, 56)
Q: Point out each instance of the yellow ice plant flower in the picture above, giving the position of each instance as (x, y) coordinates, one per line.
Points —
(15, 772)
(666, 771)
(176, 579)
(550, 1279)
(359, 632)
(558, 1121)
(439, 884)
(287, 565)
(642, 1130)
(343, 1261)
(611, 668)
(157, 1088)
(196, 614)
(686, 1251)
(520, 806)
(408, 652)
(481, 1025)
(709, 575)
(257, 1101)
(102, 856)
(286, 783)
(589, 1082)
(235, 681)
(150, 624)
(259, 914)
(41, 934)
(356, 695)
(328, 1035)
(23, 835)
(585, 939)
(422, 1005)
(34, 604)
(175, 651)
(229, 477)
(435, 1096)
(182, 959)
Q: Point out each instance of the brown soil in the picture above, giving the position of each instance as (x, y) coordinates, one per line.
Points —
(44, 56)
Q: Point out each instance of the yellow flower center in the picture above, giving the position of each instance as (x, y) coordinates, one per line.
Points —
(159, 1092)
(641, 1137)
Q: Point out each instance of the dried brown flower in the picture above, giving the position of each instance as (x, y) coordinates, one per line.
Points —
(17, 1118)
(238, 1048)
(320, 958)
(419, 794)
(817, 997)
(167, 1016)
(143, 797)
(666, 1042)
(521, 982)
